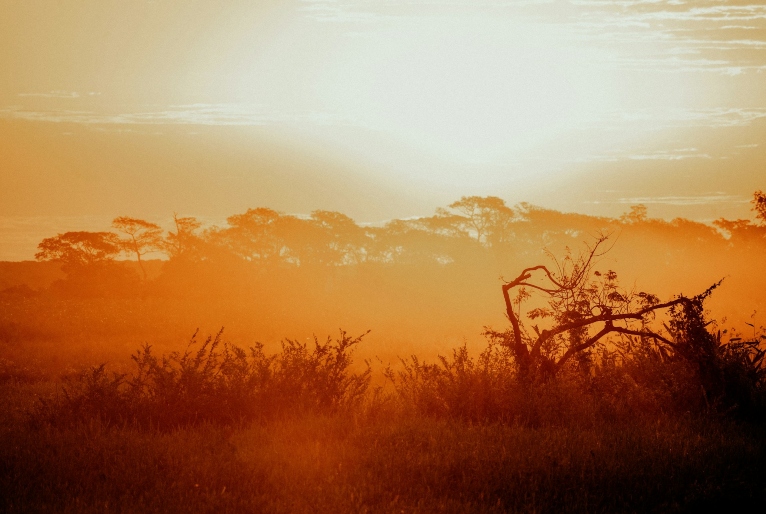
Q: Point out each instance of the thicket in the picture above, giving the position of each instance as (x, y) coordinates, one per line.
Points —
(213, 382)
(623, 380)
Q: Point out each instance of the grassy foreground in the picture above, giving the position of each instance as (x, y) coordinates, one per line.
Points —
(377, 459)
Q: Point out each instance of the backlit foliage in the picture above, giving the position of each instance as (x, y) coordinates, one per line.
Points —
(79, 249)
(215, 381)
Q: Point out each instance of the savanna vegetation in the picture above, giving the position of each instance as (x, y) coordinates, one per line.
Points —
(570, 391)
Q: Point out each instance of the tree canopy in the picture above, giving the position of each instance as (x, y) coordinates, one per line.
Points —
(142, 237)
(77, 249)
(759, 206)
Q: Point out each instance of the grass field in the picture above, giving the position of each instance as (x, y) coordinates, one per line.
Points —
(300, 426)
(376, 458)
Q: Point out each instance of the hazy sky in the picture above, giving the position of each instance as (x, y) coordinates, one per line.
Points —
(377, 108)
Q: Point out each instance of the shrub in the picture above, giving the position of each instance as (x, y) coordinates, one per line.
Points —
(628, 379)
(217, 382)
(489, 389)
(458, 387)
(730, 375)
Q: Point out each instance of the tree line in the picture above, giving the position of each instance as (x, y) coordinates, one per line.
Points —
(568, 315)
(266, 237)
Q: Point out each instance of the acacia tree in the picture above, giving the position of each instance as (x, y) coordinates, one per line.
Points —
(143, 237)
(77, 250)
(184, 243)
(487, 217)
(345, 240)
(637, 214)
(254, 235)
(759, 206)
(580, 306)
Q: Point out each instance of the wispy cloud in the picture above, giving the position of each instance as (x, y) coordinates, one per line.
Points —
(645, 34)
(366, 11)
(252, 114)
(670, 155)
(712, 117)
(193, 114)
(59, 94)
(667, 29)
(706, 199)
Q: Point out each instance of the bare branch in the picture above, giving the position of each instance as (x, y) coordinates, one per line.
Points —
(646, 333)
(585, 345)
(577, 303)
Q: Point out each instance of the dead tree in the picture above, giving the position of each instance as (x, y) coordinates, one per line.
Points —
(580, 307)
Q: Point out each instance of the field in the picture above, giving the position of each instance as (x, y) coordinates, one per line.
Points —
(378, 461)
(108, 406)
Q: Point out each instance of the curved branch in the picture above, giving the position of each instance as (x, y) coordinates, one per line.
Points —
(608, 328)
(613, 317)
(605, 318)
(582, 346)
(539, 288)
(646, 333)
(527, 273)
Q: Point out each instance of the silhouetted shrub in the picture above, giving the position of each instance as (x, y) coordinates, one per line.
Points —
(642, 381)
(459, 386)
(629, 379)
(729, 375)
(218, 382)
(743, 377)
(488, 389)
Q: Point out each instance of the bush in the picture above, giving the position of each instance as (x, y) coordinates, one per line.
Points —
(628, 379)
(488, 389)
(457, 387)
(218, 382)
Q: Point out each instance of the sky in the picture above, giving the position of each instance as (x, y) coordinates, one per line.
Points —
(376, 108)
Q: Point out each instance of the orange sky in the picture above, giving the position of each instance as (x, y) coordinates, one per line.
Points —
(375, 108)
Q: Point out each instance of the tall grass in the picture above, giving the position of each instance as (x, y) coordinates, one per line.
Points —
(616, 387)
(218, 382)
(217, 428)
(214, 382)
(342, 463)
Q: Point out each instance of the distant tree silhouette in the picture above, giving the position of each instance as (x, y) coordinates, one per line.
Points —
(303, 241)
(759, 206)
(326, 238)
(143, 237)
(88, 260)
(79, 249)
(577, 298)
(733, 228)
(487, 218)
(421, 241)
(637, 214)
(745, 231)
(255, 234)
(184, 243)
(443, 223)
(345, 241)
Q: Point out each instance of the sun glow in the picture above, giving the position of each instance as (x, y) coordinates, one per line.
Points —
(477, 91)
(526, 100)
(471, 90)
